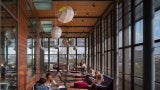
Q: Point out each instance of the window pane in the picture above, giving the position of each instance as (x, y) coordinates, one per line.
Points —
(128, 68)
(80, 50)
(127, 36)
(127, 19)
(157, 4)
(156, 25)
(72, 61)
(139, 32)
(138, 64)
(120, 39)
(138, 83)
(120, 24)
(128, 61)
(72, 50)
(62, 50)
(80, 42)
(120, 61)
(53, 51)
(157, 61)
(139, 11)
(8, 46)
(137, 1)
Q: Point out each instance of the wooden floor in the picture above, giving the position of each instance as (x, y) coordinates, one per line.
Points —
(69, 79)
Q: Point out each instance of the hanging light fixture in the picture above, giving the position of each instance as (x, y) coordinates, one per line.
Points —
(65, 14)
(56, 32)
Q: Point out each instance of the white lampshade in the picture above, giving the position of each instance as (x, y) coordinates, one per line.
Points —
(56, 32)
(66, 14)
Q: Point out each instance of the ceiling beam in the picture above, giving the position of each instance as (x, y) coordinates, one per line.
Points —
(74, 17)
(82, 0)
(68, 32)
(75, 26)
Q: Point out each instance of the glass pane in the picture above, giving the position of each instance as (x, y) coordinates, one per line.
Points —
(8, 47)
(128, 82)
(156, 25)
(119, 24)
(120, 39)
(109, 43)
(30, 58)
(138, 84)
(80, 42)
(120, 63)
(127, 6)
(53, 58)
(43, 6)
(157, 4)
(128, 61)
(128, 68)
(109, 60)
(138, 64)
(80, 50)
(139, 32)
(120, 82)
(157, 61)
(62, 50)
(139, 11)
(53, 51)
(137, 1)
(63, 61)
(120, 10)
(72, 61)
(72, 50)
(127, 36)
(127, 19)
(46, 58)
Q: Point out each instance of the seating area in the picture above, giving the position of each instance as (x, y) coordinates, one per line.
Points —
(107, 84)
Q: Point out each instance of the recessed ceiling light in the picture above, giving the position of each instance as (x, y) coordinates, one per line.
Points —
(93, 5)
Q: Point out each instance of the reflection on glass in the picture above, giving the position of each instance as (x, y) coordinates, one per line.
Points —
(139, 11)
(80, 41)
(8, 47)
(53, 58)
(120, 39)
(72, 61)
(128, 60)
(156, 25)
(80, 50)
(138, 64)
(30, 58)
(139, 32)
(120, 61)
(157, 61)
(127, 36)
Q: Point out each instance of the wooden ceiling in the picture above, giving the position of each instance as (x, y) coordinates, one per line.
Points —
(87, 12)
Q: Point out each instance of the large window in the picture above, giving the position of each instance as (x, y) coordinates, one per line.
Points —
(30, 58)
(8, 48)
(156, 35)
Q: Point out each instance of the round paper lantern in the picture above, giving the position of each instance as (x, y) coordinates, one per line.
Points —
(10, 34)
(66, 14)
(56, 32)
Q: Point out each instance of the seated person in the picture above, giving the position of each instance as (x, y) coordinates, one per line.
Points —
(50, 80)
(98, 80)
(97, 73)
(91, 72)
(41, 85)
